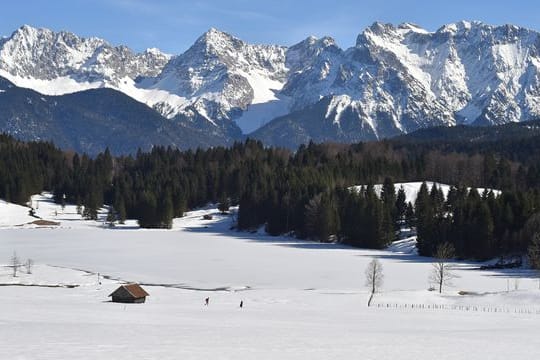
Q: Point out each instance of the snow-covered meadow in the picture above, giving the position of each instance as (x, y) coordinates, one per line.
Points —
(301, 299)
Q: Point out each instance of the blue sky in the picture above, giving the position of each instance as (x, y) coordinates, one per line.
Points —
(174, 25)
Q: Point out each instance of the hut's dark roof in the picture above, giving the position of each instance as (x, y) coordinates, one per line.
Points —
(135, 290)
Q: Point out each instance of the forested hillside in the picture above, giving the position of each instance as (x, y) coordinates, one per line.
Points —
(306, 192)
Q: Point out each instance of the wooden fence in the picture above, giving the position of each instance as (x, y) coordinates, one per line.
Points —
(470, 308)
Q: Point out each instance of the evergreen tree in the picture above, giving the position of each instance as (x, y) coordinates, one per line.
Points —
(410, 218)
(390, 213)
(533, 252)
(121, 209)
(111, 216)
(401, 203)
(90, 212)
(146, 211)
(352, 217)
(484, 227)
(167, 212)
(224, 204)
(379, 233)
(424, 221)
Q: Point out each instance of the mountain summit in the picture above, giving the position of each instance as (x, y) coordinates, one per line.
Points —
(394, 80)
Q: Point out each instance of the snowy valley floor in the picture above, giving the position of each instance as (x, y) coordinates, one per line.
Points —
(302, 300)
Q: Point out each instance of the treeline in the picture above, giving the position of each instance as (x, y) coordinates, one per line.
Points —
(479, 226)
(306, 193)
(370, 219)
(28, 168)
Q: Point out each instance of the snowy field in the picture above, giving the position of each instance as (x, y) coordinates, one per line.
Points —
(302, 300)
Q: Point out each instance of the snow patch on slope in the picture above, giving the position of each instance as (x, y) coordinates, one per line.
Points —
(257, 115)
(264, 88)
(67, 85)
(58, 86)
(336, 107)
(405, 53)
(413, 188)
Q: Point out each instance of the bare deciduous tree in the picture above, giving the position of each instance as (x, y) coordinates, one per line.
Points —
(374, 277)
(441, 274)
(516, 284)
(15, 263)
(29, 264)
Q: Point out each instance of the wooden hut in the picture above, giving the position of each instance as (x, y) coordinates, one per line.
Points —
(130, 293)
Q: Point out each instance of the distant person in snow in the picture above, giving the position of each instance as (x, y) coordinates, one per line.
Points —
(206, 301)
(241, 304)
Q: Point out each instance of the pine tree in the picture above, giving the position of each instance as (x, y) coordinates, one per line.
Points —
(424, 222)
(90, 212)
(533, 252)
(379, 233)
(410, 218)
(146, 212)
(388, 192)
(247, 214)
(180, 204)
(111, 217)
(322, 219)
(484, 226)
(224, 204)
(167, 212)
(401, 203)
(390, 213)
(121, 209)
(351, 205)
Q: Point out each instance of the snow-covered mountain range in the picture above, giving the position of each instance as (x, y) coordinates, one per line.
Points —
(395, 79)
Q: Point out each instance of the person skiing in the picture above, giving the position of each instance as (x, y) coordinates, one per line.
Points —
(241, 304)
(206, 301)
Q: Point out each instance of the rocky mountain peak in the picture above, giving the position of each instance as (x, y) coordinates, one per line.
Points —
(314, 43)
(410, 27)
(156, 52)
(306, 52)
(380, 28)
(462, 27)
(69, 60)
(217, 42)
(396, 79)
(30, 32)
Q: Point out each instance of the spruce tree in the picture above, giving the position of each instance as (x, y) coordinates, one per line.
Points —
(224, 204)
(167, 212)
(401, 203)
(424, 221)
(111, 216)
(121, 209)
(533, 251)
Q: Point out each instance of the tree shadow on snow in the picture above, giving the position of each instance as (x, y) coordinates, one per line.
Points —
(221, 228)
